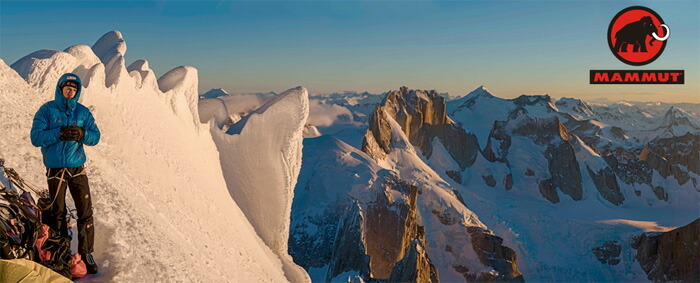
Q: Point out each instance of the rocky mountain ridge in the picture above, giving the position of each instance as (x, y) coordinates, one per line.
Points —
(535, 149)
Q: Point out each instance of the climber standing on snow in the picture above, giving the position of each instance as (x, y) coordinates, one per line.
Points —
(61, 127)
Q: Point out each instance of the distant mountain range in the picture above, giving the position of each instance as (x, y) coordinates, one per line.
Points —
(413, 185)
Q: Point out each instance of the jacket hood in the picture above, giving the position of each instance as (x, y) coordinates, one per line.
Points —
(63, 103)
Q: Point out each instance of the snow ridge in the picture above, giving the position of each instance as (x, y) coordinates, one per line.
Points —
(156, 173)
(261, 168)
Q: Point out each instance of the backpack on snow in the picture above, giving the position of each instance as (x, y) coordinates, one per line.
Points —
(21, 227)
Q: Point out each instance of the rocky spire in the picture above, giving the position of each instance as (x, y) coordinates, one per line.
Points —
(422, 117)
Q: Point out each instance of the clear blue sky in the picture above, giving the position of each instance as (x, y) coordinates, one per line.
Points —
(511, 47)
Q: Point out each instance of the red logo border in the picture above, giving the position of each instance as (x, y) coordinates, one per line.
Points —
(610, 45)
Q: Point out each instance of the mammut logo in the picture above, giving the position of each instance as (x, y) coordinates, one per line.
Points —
(637, 36)
(633, 33)
(71, 78)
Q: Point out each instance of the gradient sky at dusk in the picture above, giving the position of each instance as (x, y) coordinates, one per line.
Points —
(511, 47)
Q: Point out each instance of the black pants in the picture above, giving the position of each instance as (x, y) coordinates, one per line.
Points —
(55, 217)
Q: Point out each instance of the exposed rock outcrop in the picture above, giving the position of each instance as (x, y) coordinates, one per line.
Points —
(455, 175)
(349, 251)
(669, 154)
(415, 266)
(672, 255)
(608, 253)
(422, 117)
(508, 182)
(559, 152)
(663, 166)
(606, 183)
(626, 166)
(489, 180)
(390, 226)
(564, 172)
(660, 193)
(498, 143)
(366, 228)
(492, 252)
(576, 105)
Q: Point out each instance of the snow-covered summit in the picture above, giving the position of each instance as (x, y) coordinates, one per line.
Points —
(480, 109)
(480, 91)
(676, 116)
(575, 106)
(214, 92)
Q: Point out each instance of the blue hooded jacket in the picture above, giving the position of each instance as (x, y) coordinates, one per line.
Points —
(57, 114)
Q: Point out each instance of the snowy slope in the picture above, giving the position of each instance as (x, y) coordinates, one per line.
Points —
(436, 201)
(343, 114)
(163, 210)
(477, 111)
(336, 174)
(555, 242)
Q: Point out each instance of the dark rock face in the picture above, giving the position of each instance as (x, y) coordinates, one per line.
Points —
(666, 155)
(422, 117)
(508, 182)
(617, 132)
(560, 154)
(608, 253)
(498, 143)
(314, 250)
(542, 130)
(549, 191)
(525, 100)
(455, 175)
(627, 167)
(390, 226)
(587, 131)
(672, 255)
(576, 105)
(564, 172)
(415, 266)
(491, 252)
(606, 183)
(446, 217)
(490, 181)
(349, 250)
(660, 193)
(459, 197)
(661, 164)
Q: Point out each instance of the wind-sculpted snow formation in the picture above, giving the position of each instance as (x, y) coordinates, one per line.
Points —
(262, 157)
(163, 209)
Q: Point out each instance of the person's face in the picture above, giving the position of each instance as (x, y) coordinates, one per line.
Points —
(69, 92)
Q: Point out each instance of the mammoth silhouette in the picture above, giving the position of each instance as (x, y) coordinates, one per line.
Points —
(635, 33)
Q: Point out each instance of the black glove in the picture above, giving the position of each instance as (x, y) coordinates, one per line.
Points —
(73, 133)
(63, 134)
